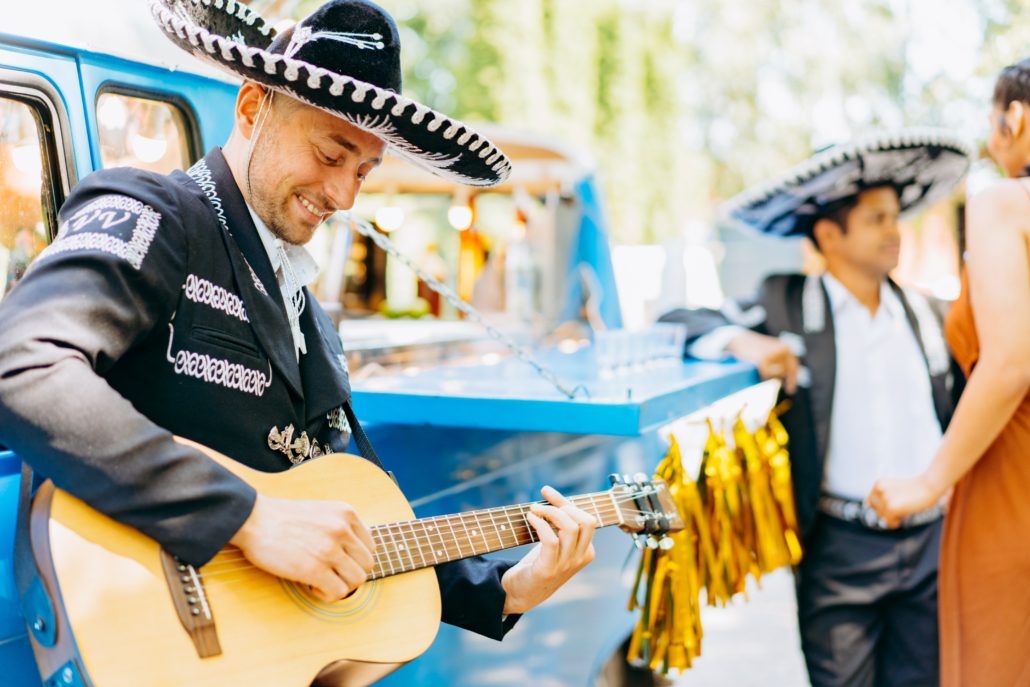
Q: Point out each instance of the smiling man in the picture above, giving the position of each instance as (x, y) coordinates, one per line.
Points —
(871, 386)
(177, 305)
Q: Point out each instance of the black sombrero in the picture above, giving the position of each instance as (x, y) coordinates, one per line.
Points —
(343, 58)
(923, 166)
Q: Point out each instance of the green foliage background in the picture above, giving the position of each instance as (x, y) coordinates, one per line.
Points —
(682, 103)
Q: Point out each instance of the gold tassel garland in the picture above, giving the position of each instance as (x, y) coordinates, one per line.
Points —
(739, 520)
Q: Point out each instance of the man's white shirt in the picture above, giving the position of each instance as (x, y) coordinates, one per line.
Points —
(883, 421)
(294, 269)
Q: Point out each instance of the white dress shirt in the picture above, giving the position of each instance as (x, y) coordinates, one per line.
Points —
(294, 269)
(883, 421)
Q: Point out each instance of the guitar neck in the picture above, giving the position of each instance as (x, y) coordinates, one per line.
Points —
(405, 546)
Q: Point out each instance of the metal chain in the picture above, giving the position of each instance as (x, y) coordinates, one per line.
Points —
(380, 239)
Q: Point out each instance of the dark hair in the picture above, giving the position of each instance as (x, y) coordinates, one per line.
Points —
(1013, 84)
(837, 212)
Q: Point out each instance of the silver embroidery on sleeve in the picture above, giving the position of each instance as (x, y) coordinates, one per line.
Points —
(104, 213)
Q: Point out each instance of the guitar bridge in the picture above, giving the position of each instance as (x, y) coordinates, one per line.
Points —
(190, 600)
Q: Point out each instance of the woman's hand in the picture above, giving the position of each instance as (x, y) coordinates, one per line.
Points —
(894, 498)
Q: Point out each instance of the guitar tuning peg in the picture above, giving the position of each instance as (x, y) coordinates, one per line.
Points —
(666, 543)
(640, 478)
(638, 541)
(652, 543)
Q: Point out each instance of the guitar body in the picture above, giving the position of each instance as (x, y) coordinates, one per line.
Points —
(120, 612)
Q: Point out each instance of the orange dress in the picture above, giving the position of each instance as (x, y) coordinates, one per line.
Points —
(984, 595)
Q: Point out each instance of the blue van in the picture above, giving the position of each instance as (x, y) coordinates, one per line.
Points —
(460, 418)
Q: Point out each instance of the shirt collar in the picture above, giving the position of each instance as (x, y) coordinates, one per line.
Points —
(841, 298)
(301, 260)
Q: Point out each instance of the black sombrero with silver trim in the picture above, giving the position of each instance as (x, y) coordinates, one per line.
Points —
(343, 58)
(923, 165)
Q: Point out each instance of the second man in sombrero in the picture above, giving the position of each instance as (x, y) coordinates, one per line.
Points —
(872, 387)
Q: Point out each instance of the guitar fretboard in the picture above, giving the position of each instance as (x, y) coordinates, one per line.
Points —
(414, 544)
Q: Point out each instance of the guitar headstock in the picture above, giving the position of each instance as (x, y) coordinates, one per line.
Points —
(644, 505)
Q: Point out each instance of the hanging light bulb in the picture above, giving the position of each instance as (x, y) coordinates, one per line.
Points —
(389, 216)
(460, 214)
(460, 217)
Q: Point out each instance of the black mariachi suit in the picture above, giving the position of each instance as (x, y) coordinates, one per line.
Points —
(155, 312)
(866, 600)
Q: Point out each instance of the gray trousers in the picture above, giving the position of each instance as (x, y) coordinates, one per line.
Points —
(867, 605)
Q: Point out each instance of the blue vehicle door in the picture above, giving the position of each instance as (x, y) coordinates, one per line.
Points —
(42, 152)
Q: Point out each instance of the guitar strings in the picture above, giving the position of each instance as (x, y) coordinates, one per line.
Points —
(397, 561)
(424, 544)
(425, 541)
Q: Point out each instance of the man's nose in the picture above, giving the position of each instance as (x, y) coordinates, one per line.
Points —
(342, 189)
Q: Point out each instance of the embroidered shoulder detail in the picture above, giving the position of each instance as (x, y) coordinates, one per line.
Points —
(114, 224)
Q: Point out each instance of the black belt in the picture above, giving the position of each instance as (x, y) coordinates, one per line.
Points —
(851, 510)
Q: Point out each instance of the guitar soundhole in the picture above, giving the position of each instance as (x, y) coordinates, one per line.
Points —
(352, 608)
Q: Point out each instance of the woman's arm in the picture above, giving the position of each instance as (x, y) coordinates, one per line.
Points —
(998, 222)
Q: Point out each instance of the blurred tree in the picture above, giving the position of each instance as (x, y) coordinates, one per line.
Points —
(683, 103)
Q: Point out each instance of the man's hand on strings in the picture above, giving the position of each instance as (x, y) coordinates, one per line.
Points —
(321, 544)
(565, 533)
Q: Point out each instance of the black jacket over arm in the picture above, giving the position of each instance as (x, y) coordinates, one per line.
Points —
(796, 308)
(154, 313)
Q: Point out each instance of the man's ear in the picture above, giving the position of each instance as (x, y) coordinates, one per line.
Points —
(1015, 118)
(825, 232)
(248, 105)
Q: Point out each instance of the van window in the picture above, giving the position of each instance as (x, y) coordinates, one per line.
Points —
(23, 181)
(142, 132)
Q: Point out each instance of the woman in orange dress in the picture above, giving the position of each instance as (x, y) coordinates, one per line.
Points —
(984, 592)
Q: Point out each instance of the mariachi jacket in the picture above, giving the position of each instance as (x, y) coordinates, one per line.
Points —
(155, 312)
(797, 309)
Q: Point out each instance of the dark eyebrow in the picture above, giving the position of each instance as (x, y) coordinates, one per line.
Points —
(342, 140)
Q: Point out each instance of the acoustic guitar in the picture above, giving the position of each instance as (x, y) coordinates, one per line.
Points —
(128, 613)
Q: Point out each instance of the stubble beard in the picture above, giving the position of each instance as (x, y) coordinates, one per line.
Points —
(261, 181)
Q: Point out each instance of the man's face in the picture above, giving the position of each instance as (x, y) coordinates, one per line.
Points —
(306, 165)
(872, 242)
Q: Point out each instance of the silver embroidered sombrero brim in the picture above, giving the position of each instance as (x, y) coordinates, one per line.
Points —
(352, 73)
(923, 165)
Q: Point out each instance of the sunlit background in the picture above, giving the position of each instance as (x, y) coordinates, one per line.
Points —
(672, 106)
(681, 104)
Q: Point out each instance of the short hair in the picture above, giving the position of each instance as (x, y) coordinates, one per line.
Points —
(1013, 84)
(836, 211)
